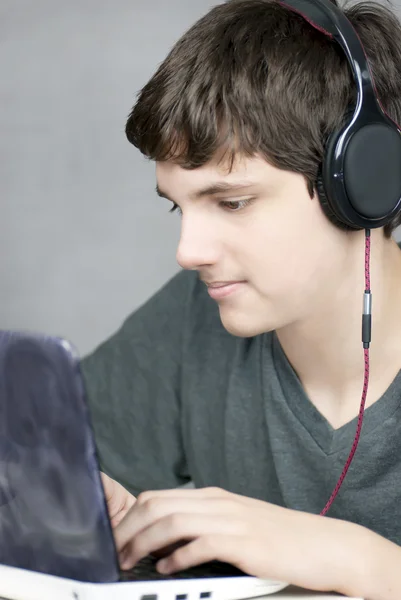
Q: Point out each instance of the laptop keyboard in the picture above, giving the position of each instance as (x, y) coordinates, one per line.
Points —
(145, 570)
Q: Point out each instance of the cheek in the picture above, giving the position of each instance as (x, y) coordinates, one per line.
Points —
(286, 244)
(284, 262)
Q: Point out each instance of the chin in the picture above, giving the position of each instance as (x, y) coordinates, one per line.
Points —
(242, 325)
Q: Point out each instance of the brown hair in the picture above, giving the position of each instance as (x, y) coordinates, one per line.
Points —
(251, 76)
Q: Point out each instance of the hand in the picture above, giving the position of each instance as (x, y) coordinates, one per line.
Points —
(119, 500)
(261, 539)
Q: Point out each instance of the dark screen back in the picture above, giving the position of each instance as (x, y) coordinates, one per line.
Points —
(53, 516)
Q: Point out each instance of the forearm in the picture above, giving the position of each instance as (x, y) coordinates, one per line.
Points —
(376, 574)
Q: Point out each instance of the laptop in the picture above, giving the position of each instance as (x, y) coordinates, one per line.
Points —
(56, 539)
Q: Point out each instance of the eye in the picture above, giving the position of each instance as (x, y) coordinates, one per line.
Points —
(175, 208)
(231, 205)
(236, 205)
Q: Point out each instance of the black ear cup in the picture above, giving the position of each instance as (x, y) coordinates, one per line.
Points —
(372, 170)
(359, 181)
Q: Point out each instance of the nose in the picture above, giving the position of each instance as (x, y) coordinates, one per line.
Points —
(198, 246)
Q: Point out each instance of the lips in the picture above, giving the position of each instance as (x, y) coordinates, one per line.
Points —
(219, 284)
(221, 289)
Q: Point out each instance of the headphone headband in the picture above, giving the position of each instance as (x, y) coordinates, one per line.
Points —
(326, 17)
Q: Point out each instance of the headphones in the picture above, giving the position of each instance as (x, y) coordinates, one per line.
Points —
(360, 175)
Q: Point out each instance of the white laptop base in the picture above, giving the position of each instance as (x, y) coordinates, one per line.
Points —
(20, 584)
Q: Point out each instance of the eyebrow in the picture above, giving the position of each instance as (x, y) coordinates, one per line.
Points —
(211, 190)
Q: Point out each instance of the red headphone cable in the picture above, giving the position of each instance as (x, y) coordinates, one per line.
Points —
(366, 338)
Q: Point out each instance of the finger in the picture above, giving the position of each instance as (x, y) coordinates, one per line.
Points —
(177, 528)
(129, 502)
(223, 547)
(144, 513)
(110, 494)
(116, 519)
(118, 500)
(120, 512)
(208, 492)
(199, 493)
(107, 483)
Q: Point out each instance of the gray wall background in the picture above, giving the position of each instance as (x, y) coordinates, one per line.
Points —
(83, 237)
(84, 240)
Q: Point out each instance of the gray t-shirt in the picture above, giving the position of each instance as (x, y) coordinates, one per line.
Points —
(174, 397)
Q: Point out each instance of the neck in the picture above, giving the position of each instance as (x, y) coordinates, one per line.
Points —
(325, 347)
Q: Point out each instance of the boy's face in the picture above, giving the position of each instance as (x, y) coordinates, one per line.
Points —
(270, 236)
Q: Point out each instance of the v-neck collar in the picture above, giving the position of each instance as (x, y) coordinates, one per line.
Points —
(329, 439)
